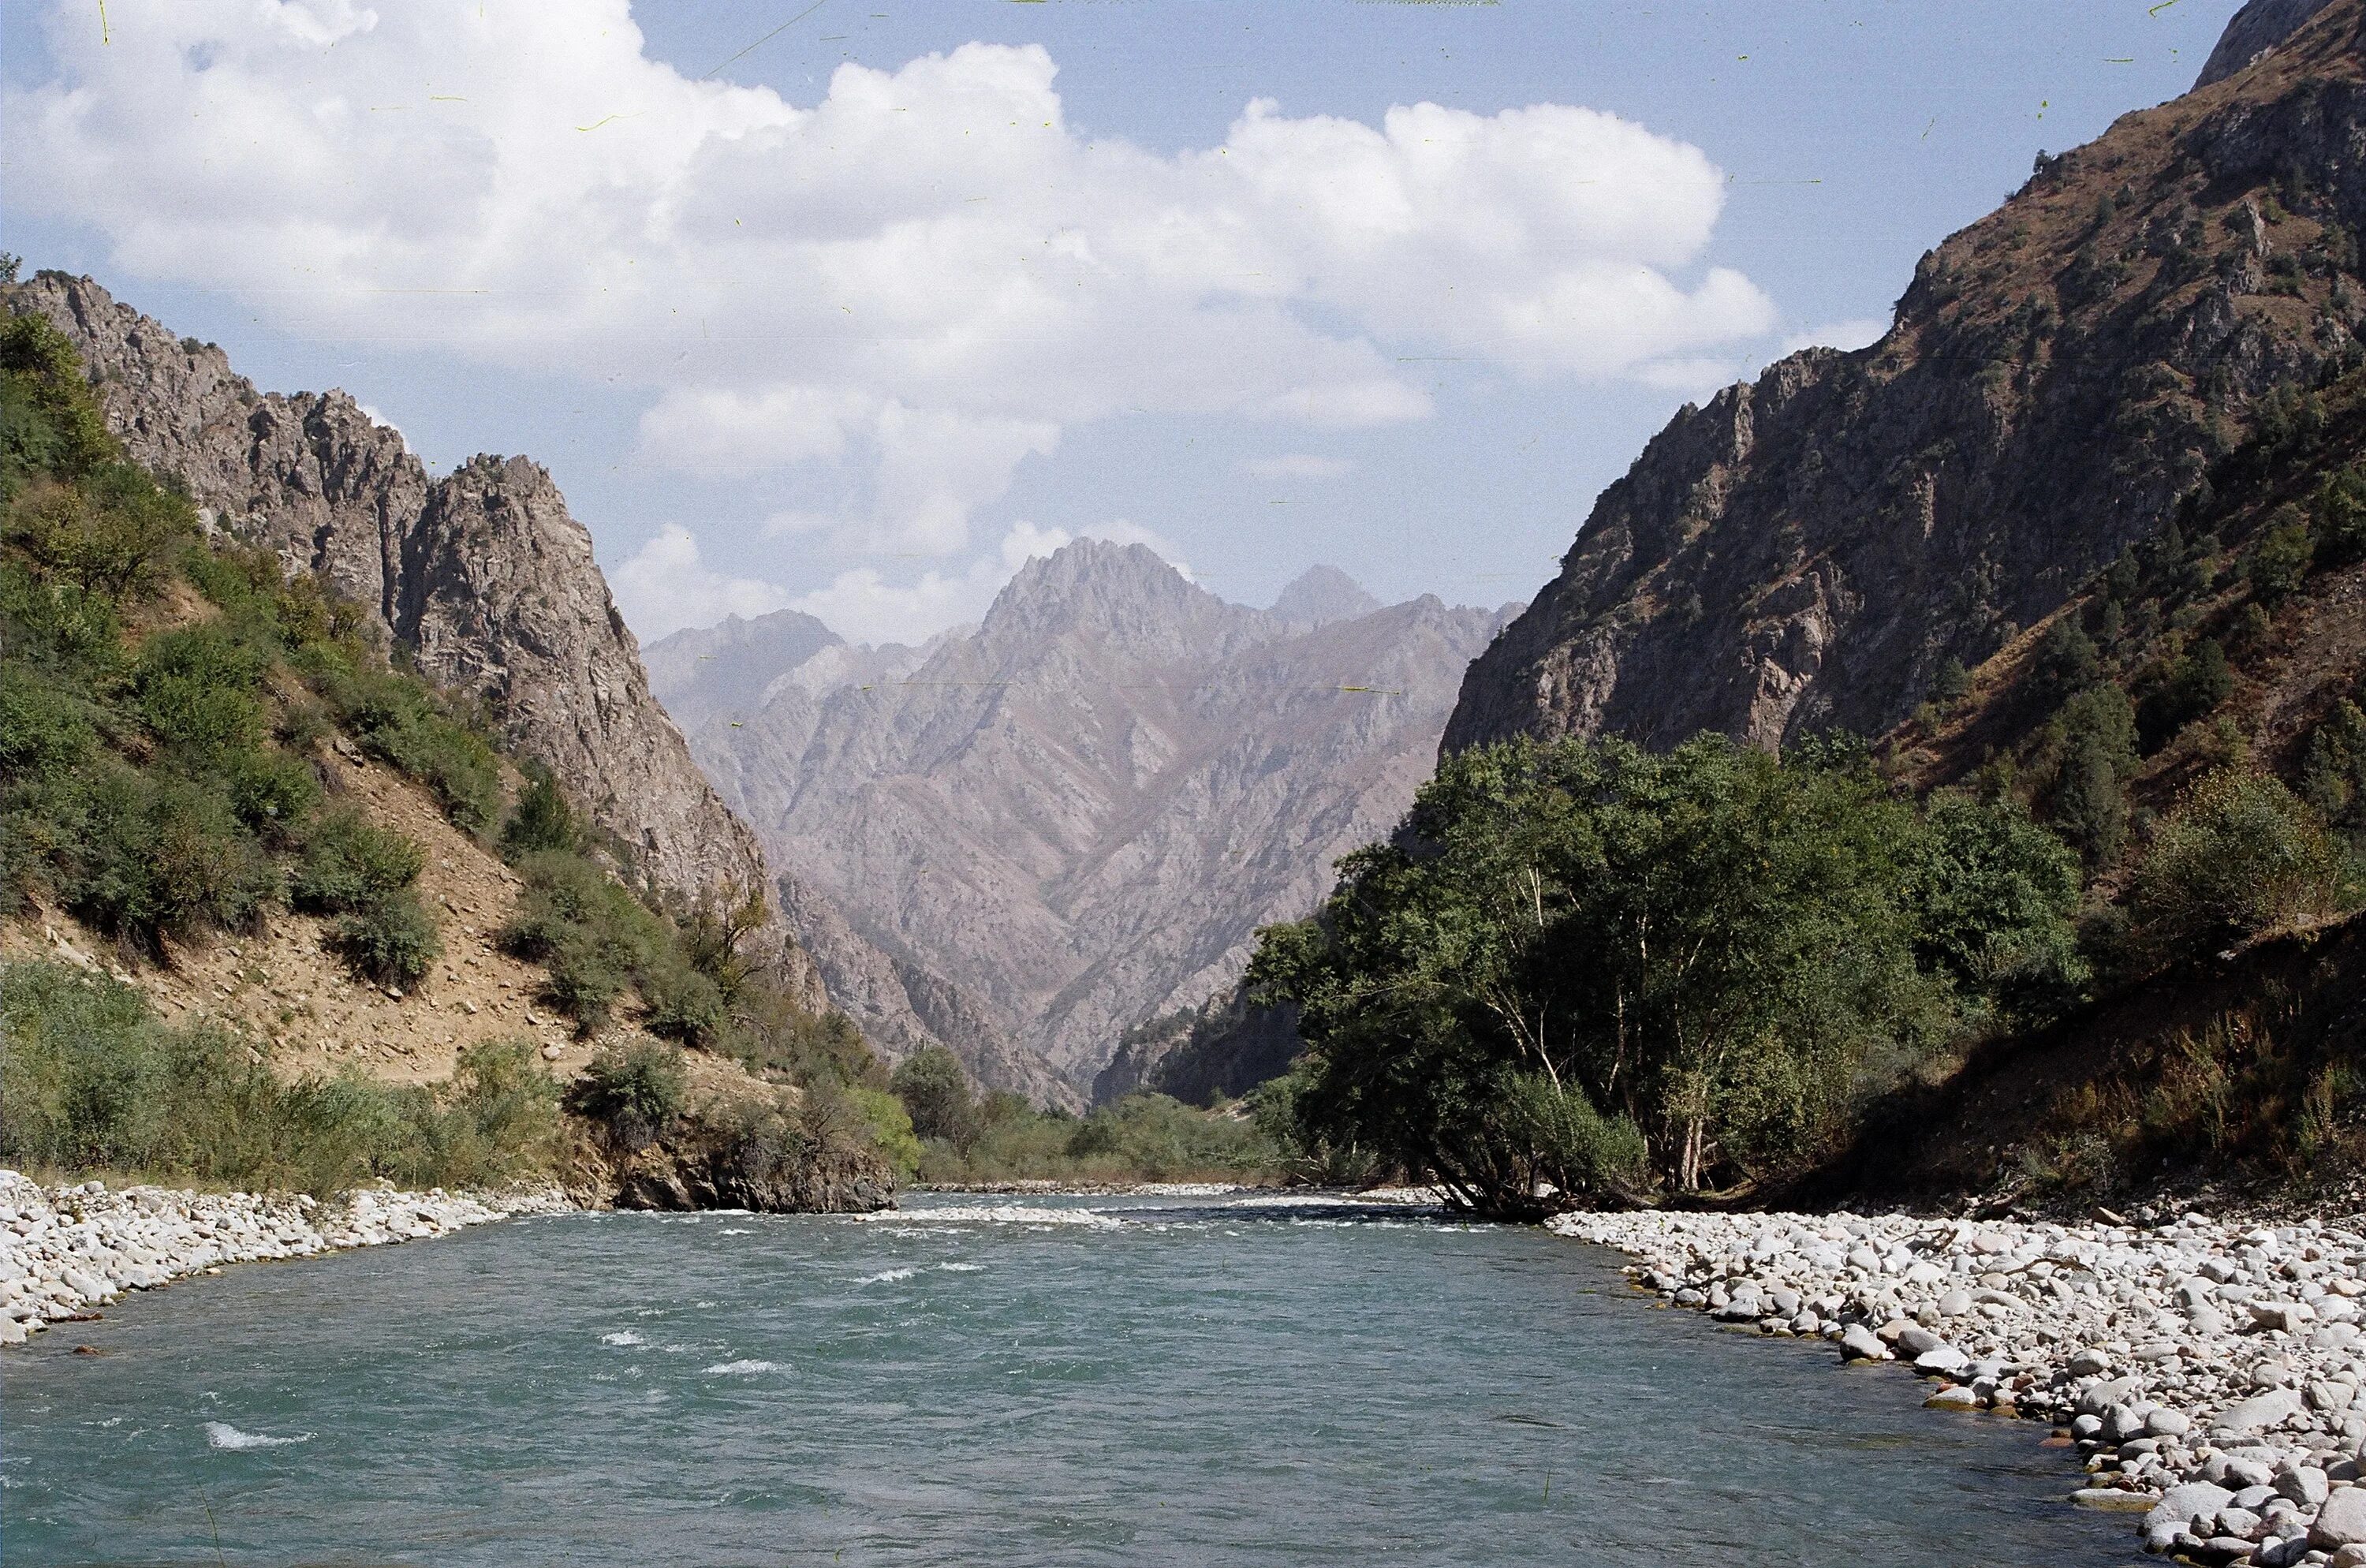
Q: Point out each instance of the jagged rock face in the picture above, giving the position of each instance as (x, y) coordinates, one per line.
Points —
(1080, 813)
(1807, 551)
(2256, 29)
(482, 575)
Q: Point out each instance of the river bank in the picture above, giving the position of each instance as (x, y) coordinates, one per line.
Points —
(66, 1251)
(2208, 1371)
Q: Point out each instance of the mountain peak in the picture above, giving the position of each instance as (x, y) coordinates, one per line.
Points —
(2255, 30)
(1124, 598)
(1322, 594)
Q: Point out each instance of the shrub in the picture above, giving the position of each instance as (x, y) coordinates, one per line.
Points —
(271, 792)
(147, 856)
(2183, 690)
(590, 933)
(350, 863)
(2279, 563)
(890, 1128)
(398, 719)
(636, 1090)
(43, 730)
(542, 820)
(196, 690)
(390, 939)
(2240, 855)
(683, 1004)
(2339, 519)
(935, 1090)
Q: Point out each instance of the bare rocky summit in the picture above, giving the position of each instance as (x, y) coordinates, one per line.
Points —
(1810, 550)
(1043, 832)
(482, 576)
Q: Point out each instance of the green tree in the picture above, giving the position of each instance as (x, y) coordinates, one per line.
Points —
(935, 1091)
(1579, 952)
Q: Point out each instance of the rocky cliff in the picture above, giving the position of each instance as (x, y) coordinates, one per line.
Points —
(1074, 818)
(482, 576)
(1813, 549)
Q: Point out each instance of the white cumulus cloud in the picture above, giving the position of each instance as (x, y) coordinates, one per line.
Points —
(666, 585)
(925, 275)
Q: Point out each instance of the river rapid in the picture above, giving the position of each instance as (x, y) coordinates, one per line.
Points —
(1141, 1381)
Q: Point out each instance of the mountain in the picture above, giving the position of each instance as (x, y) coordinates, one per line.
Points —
(1075, 817)
(1320, 595)
(481, 577)
(701, 672)
(1818, 547)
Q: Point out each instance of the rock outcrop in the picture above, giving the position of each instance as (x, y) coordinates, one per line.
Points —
(482, 576)
(1810, 551)
(1043, 833)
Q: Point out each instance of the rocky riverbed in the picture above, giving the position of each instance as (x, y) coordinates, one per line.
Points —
(2208, 1371)
(67, 1251)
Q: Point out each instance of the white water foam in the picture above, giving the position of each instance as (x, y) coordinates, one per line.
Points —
(744, 1368)
(622, 1336)
(222, 1435)
(998, 1214)
(884, 1276)
(961, 1267)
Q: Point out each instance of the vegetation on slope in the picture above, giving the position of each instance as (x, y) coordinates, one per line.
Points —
(164, 697)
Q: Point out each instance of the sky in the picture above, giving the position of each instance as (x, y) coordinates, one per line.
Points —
(853, 307)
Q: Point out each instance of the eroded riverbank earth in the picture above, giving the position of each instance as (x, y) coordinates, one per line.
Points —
(1236, 1378)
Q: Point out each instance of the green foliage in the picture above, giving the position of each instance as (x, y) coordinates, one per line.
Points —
(44, 729)
(2333, 775)
(2242, 854)
(49, 424)
(935, 1091)
(2338, 517)
(2182, 690)
(1153, 1137)
(890, 1129)
(596, 939)
(636, 1090)
(141, 856)
(542, 820)
(1712, 947)
(348, 863)
(90, 1080)
(397, 719)
(391, 941)
(2067, 661)
(2279, 563)
(2094, 738)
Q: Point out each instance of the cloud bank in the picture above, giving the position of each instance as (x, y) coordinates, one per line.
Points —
(924, 278)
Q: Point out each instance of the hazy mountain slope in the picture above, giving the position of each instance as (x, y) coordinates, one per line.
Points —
(1076, 816)
(725, 668)
(1811, 550)
(483, 576)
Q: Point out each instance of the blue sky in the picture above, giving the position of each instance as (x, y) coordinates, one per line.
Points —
(796, 314)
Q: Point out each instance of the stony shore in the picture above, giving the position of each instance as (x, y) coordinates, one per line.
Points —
(67, 1251)
(2208, 1371)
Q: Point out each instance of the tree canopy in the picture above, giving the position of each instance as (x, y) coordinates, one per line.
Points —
(1583, 969)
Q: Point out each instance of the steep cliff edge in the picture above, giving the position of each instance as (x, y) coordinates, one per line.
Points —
(482, 576)
(1813, 550)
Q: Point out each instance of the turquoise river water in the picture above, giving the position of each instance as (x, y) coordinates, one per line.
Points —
(1137, 1381)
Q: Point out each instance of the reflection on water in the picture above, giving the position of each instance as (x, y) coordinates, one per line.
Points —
(1186, 1380)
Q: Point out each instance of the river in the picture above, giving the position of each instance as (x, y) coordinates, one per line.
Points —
(1137, 1381)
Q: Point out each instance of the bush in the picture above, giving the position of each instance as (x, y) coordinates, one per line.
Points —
(398, 721)
(683, 1004)
(935, 1090)
(90, 1080)
(2240, 855)
(151, 856)
(2279, 563)
(636, 1090)
(43, 729)
(542, 820)
(350, 863)
(2183, 690)
(390, 939)
(890, 1129)
(196, 690)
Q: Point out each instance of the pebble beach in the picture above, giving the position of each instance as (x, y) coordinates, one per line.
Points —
(69, 1251)
(2208, 1371)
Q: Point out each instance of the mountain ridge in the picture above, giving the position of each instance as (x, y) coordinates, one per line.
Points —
(1079, 811)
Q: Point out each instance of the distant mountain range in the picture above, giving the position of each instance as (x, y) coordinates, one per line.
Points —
(1023, 839)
